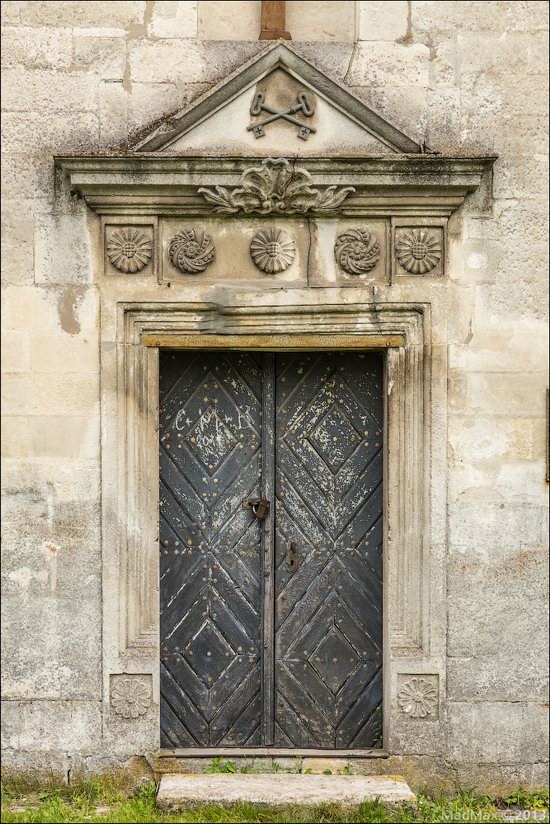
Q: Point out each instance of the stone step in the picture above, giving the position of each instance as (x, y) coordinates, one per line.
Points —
(177, 791)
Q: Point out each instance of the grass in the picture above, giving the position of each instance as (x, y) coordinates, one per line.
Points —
(105, 800)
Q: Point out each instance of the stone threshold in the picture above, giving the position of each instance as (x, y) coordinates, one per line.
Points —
(267, 752)
(177, 791)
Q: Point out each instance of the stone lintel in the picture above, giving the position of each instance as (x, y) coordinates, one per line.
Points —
(145, 184)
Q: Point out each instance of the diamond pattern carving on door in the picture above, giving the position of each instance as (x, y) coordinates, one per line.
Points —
(255, 651)
(210, 549)
(328, 653)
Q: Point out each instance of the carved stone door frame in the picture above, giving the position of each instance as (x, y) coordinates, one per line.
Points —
(406, 316)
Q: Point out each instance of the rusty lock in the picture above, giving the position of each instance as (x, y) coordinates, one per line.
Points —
(292, 557)
(259, 506)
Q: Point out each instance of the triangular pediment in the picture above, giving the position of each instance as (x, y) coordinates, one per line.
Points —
(278, 103)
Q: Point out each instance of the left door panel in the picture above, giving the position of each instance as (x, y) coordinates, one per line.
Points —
(210, 438)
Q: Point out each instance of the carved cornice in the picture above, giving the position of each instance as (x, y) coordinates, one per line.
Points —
(350, 186)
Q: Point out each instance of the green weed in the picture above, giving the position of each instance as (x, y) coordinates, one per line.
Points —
(218, 765)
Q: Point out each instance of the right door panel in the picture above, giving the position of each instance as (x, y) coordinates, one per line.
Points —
(328, 550)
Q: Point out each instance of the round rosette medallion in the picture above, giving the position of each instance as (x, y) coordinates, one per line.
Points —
(357, 251)
(129, 250)
(191, 251)
(418, 251)
(272, 250)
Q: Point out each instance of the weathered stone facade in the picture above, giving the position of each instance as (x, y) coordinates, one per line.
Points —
(468, 677)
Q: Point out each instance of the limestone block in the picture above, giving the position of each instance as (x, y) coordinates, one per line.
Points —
(178, 791)
(17, 246)
(492, 528)
(390, 64)
(388, 102)
(526, 297)
(474, 261)
(36, 48)
(82, 13)
(199, 62)
(11, 11)
(165, 60)
(56, 353)
(62, 661)
(68, 479)
(520, 176)
(50, 436)
(480, 677)
(39, 132)
(520, 226)
(460, 314)
(505, 347)
(383, 20)
(103, 56)
(71, 726)
(332, 57)
(492, 438)
(491, 55)
(501, 733)
(442, 115)
(520, 395)
(327, 20)
(219, 20)
(517, 482)
(50, 393)
(174, 19)
(15, 351)
(62, 249)
(151, 101)
(496, 606)
(113, 113)
(435, 19)
(28, 182)
(444, 60)
(530, 140)
(48, 91)
(23, 306)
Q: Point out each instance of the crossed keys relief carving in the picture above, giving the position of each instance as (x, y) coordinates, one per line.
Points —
(304, 105)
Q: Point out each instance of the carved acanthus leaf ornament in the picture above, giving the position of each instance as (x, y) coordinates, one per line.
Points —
(276, 187)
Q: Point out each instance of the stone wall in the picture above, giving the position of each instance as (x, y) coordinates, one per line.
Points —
(463, 77)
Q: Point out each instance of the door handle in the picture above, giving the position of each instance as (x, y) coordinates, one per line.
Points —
(292, 557)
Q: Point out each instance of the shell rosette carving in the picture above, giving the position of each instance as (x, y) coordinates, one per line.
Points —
(276, 187)
(130, 697)
(418, 698)
(129, 249)
(418, 250)
(191, 251)
(272, 250)
(357, 251)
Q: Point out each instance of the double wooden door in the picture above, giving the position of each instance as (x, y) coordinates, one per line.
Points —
(271, 549)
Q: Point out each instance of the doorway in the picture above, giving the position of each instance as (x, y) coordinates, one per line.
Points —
(271, 533)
